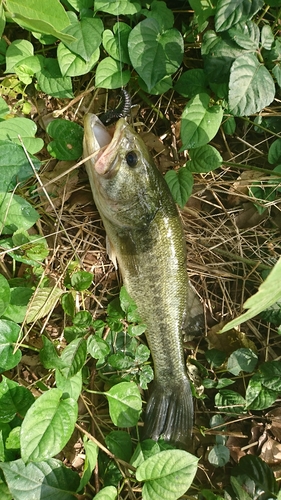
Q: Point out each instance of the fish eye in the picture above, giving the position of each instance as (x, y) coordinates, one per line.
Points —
(131, 158)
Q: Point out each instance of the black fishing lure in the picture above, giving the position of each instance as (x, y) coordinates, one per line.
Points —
(123, 109)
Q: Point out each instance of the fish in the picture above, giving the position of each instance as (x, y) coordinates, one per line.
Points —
(146, 237)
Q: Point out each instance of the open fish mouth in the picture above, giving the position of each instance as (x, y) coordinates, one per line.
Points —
(102, 142)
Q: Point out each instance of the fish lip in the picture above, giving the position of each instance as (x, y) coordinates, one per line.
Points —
(103, 158)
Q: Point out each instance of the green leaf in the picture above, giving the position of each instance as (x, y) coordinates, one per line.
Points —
(128, 306)
(119, 7)
(242, 360)
(5, 294)
(267, 37)
(41, 480)
(17, 51)
(29, 249)
(109, 75)
(81, 280)
(51, 81)
(72, 65)
(219, 455)
(258, 397)
(203, 10)
(254, 473)
(229, 125)
(124, 404)
(15, 213)
(14, 399)
(80, 5)
(47, 426)
(116, 42)
(231, 12)
(107, 493)
(87, 34)
(42, 302)
(14, 165)
(161, 13)
(274, 152)
(9, 335)
(230, 402)
(49, 356)
(192, 82)
(4, 108)
(200, 122)
(120, 444)
(251, 87)
(204, 159)
(271, 375)
(27, 68)
(74, 356)
(180, 183)
(91, 450)
(2, 27)
(48, 16)
(268, 293)
(98, 348)
(246, 35)
(167, 475)
(17, 308)
(68, 304)
(26, 129)
(68, 137)
(154, 54)
(70, 386)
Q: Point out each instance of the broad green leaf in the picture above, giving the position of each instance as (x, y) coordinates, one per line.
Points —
(27, 68)
(2, 27)
(13, 440)
(270, 373)
(154, 54)
(119, 7)
(124, 404)
(219, 455)
(74, 357)
(163, 15)
(42, 302)
(17, 51)
(49, 356)
(192, 82)
(14, 165)
(15, 213)
(215, 357)
(239, 490)
(203, 10)
(98, 348)
(26, 129)
(80, 5)
(144, 450)
(254, 471)
(87, 34)
(167, 475)
(67, 143)
(251, 87)
(72, 65)
(116, 42)
(70, 386)
(5, 294)
(160, 88)
(47, 16)
(242, 360)
(120, 444)
(30, 250)
(231, 12)
(91, 451)
(81, 280)
(146, 376)
(230, 402)
(9, 336)
(268, 293)
(229, 125)
(41, 480)
(17, 308)
(258, 397)
(204, 159)
(14, 399)
(246, 35)
(68, 304)
(274, 152)
(107, 493)
(180, 183)
(109, 75)
(267, 37)
(47, 426)
(128, 305)
(51, 81)
(200, 122)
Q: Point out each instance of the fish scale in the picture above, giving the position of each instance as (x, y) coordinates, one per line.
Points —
(146, 237)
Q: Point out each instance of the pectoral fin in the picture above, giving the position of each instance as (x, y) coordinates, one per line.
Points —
(111, 252)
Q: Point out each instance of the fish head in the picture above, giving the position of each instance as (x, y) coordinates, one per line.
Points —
(126, 185)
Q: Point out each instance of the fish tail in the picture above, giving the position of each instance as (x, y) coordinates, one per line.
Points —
(169, 413)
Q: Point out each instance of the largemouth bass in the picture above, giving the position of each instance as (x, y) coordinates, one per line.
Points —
(145, 233)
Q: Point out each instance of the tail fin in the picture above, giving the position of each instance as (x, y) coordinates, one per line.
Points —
(169, 413)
